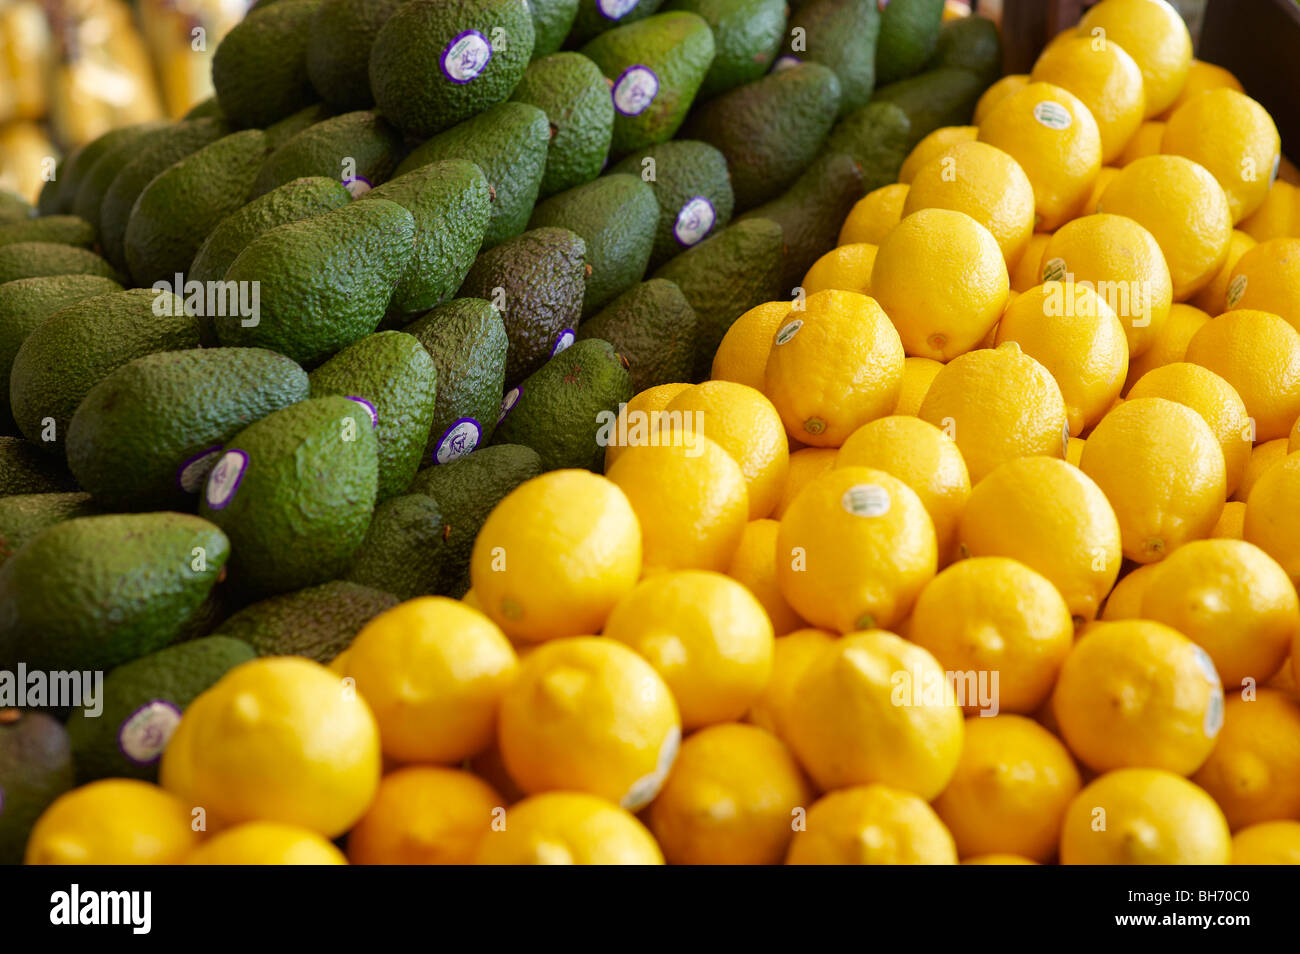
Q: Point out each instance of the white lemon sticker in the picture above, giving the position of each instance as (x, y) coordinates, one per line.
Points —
(788, 331)
(465, 57)
(1214, 710)
(225, 478)
(1054, 270)
(509, 401)
(645, 788)
(458, 440)
(635, 90)
(1053, 115)
(866, 500)
(694, 221)
(145, 732)
(194, 472)
(1236, 289)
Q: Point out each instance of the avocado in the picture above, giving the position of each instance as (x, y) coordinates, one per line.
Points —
(259, 69)
(76, 348)
(318, 622)
(205, 109)
(597, 16)
(93, 592)
(25, 470)
(945, 96)
(47, 202)
(509, 143)
(42, 259)
(282, 130)
(141, 704)
(656, 66)
(971, 43)
(770, 130)
(295, 491)
(451, 204)
(878, 137)
(840, 34)
(617, 217)
(438, 62)
(692, 188)
(403, 548)
(467, 490)
(746, 37)
(654, 327)
(338, 49)
(23, 516)
(467, 340)
(324, 282)
(392, 374)
(575, 96)
(358, 149)
(35, 769)
(14, 208)
(146, 435)
(552, 20)
(59, 229)
(73, 171)
(909, 33)
(97, 179)
(536, 281)
(725, 276)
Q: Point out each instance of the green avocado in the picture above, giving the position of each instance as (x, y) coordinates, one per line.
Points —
(596, 16)
(552, 20)
(878, 137)
(25, 470)
(909, 33)
(317, 622)
(338, 49)
(44, 259)
(945, 96)
(654, 327)
(95, 183)
(746, 36)
(35, 769)
(403, 548)
(575, 95)
(358, 149)
(58, 229)
(840, 34)
(259, 69)
(23, 516)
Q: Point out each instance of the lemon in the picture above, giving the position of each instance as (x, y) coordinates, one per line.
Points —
(1268, 843)
(1259, 355)
(790, 657)
(1028, 272)
(874, 707)
(1277, 217)
(705, 634)
(1152, 32)
(1232, 522)
(1272, 518)
(742, 354)
(872, 825)
(1263, 456)
(805, 464)
(1105, 79)
(114, 821)
(1145, 142)
(266, 843)
(424, 815)
(1215, 400)
(991, 615)
(1254, 770)
(1055, 138)
(754, 567)
(279, 739)
(648, 403)
(1125, 600)
(1233, 137)
(1170, 343)
(730, 799)
(433, 670)
(1135, 693)
(997, 404)
(940, 277)
(588, 714)
(933, 145)
(1009, 794)
(997, 93)
(1142, 816)
(1202, 77)
(1074, 450)
(847, 268)
(918, 375)
(854, 550)
(874, 215)
(568, 828)
(1104, 176)
(1072, 332)
(1267, 278)
(998, 859)
(1161, 468)
(339, 664)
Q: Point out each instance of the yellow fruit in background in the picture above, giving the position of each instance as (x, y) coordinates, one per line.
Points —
(1259, 355)
(1135, 693)
(114, 821)
(1201, 77)
(649, 402)
(433, 672)
(1105, 79)
(932, 146)
(997, 93)
(835, 365)
(918, 375)
(1055, 139)
(1123, 263)
(1272, 517)
(1009, 794)
(423, 815)
(986, 184)
(872, 825)
(1161, 468)
(339, 664)
(1072, 332)
(998, 860)
(874, 216)
(847, 268)
(1268, 843)
(1232, 522)
(729, 799)
(874, 707)
(280, 739)
(1125, 600)
(568, 828)
(742, 354)
(1215, 400)
(1267, 278)
(1277, 217)
(1104, 176)
(1254, 770)
(940, 277)
(1145, 142)
(1074, 450)
(994, 615)
(997, 404)
(1152, 817)
(1262, 457)
(556, 554)
(1028, 272)
(791, 656)
(1233, 137)
(754, 567)
(1152, 32)
(805, 464)
(587, 714)
(266, 843)
(854, 550)
(1170, 343)
(1184, 208)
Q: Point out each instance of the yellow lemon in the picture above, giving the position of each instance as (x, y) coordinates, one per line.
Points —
(997, 93)
(1232, 522)
(742, 355)
(1104, 177)
(568, 828)
(854, 719)
(997, 404)
(648, 403)
(1074, 450)
(1028, 272)
(730, 799)
(1272, 517)
(588, 714)
(1161, 468)
(1263, 456)
(918, 375)
(1267, 278)
(1254, 770)
(754, 567)
(933, 145)
(1170, 343)
(339, 664)
(1135, 693)
(847, 268)
(114, 821)
(277, 739)
(790, 657)
(854, 550)
(872, 825)
(1106, 80)
(1125, 600)
(1145, 142)
(433, 671)
(1152, 32)
(805, 464)
(1268, 843)
(998, 859)
(705, 634)
(835, 365)
(874, 216)
(1277, 217)
(1009, 794)
(1202, 77)
(1055, 139)
(1259, 355)
(1143, 816)
(424, 815)
(266, 843)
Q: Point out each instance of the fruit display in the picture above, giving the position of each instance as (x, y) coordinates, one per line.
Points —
(638, 432)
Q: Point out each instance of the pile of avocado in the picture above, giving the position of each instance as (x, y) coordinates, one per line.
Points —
(265, 371)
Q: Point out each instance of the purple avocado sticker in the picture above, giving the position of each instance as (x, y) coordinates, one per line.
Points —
(635, 90)
(458, 440)
(370, 409)
(694, 221)
(615, 9)
(145, 732)
(562, 341)
(225, 478)
(194, 472)
(465, 57)
(358, 186)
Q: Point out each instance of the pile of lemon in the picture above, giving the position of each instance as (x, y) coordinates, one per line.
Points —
(984, 548)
